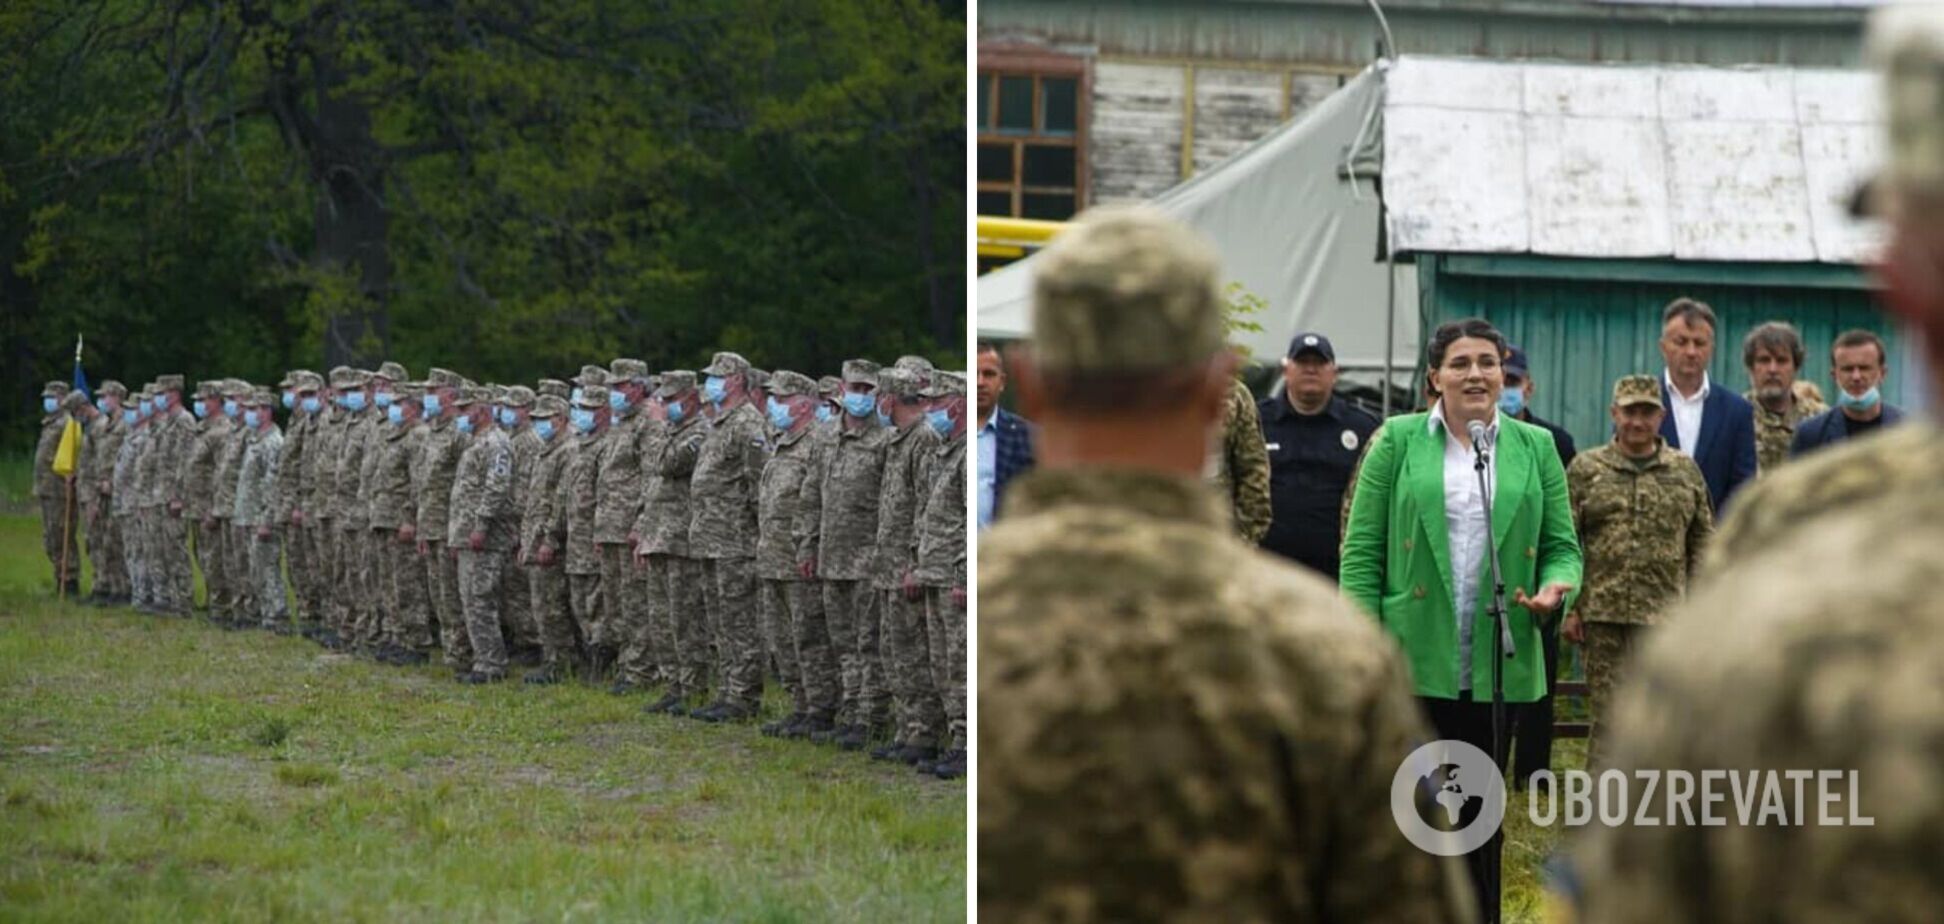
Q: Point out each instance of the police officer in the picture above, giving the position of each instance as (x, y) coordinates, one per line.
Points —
(1314, 438)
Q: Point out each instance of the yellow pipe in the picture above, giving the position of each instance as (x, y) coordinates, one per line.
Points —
(1019, 232)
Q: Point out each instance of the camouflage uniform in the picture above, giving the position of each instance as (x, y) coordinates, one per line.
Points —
(543, 526)
(253, 508)
(320, 480)
(238, 544)
(722, 535)
(787, 598)
(903, 652)
(1173, 725)
(351, 515)
(160, 486)
(406, 616)
(106, 434)
(206, 450)
(517, 619)
(1642, 524)
(300, 552)
(1774, 432)
(938, 540)
(578, 500)
(432, 477)
(616, 507)
(1238, 465)
(678, 625)
(125, 507)
(482, 504)
(837, 532)
(60, 521)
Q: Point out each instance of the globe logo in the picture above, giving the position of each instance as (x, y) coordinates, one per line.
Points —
(1448, 798)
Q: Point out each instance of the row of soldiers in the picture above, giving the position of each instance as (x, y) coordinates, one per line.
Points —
(692, 532)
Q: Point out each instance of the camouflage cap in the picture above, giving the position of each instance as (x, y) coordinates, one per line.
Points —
(518, 396)
(496, 392)
(1126, 289)
(829, 386)
(1636, 389)
(593, 397)
(675, 382)
(726, 364)
(1906, 42)
(758, 378)
(294, 376)
(307, 380)
(898, 383)
(209, 388)
(392, 371)
(654, 382)
(628, 370)
(591, 375)
(259, 398)
(554, 387)
(54, 387)
(470, 394)
(408, 392)
(73, 400)
(236, 388)
(443, 378)
(944, 384)
(918, 366)
(112, 387)
(344, 377)
(170, 382)
(860, 370)
(783, 383)
(549, 406)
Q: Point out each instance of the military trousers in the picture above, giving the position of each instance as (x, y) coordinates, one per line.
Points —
(239, 549)
(678, 625)
(784, 604)
(409, 625)
(918, 714)
(355, 585)
(105, 551)
(847, 604)
(945, 631)
(208, 546)
(1609, 649)
(377, 622)
(615, 572)
(729, 596)
(175, 574)
(640, 662)
(442, 568)
(305, 553)
(135, 556)
(584, 603)
(266, 581)
(481, 583)
(328, 578)
(60, 530)
(873, 690)
(516, 616)
(547, 591)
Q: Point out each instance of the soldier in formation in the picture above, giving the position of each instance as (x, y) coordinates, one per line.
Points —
(692, 537)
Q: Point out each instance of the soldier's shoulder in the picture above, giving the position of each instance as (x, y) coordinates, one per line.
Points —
(1905, 461)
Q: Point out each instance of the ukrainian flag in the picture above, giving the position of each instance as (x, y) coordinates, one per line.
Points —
(69, 454)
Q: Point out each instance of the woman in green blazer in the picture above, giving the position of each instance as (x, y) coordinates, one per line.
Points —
(1403, 540)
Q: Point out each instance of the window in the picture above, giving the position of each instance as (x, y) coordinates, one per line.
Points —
(1032, 131)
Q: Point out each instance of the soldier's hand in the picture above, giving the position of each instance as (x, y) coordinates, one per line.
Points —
(407, 532)
(175, 508)
(958, 597)
(296, 517)
(476, 541)
(1573, 631)
(808, 569)
(545, 556)
(911, 590)
(634, 540)
(1547, 600)
(263, 534)
(423, 548)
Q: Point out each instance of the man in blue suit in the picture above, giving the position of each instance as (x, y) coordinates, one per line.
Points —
(1005, 440)
(1714, 426)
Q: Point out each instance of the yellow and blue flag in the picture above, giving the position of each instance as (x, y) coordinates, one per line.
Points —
(68, 455)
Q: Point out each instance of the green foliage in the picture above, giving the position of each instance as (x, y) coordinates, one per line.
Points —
(1239, 306)
(558, 183)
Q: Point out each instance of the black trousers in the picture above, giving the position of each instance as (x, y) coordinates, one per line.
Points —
(1471, 722)
(1532, 723)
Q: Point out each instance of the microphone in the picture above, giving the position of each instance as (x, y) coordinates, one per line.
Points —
(1477, 429)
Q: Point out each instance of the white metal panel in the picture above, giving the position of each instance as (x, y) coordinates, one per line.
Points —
(1597, 186)
(1714, 94)
(1455, 179)
(1737, 191)
(1448, 83)
(1592, 91)
(1838, 97)
(1836, 160)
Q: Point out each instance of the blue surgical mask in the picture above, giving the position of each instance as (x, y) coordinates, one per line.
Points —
(355, 400)
(823, 413)
(129, 416)
(1512, 401)
(431, 405)
(779, 415)
(148, 407)
(290, 400)
(101, 404)
(312, 405)
(464, 423)
(583, 419)
(395, 414)
(384, 399)
(543, 428)
(715, 389)
(49, 404)
(509, 417)
(617, 401)
(859, 404)
(201, 408)
(940, 420)
(675, 412)
(884, 418)
(250, 418)
(1862, 402)
(230, 409)
(574, 396)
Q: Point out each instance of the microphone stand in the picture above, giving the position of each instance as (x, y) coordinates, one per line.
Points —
(1502, 649)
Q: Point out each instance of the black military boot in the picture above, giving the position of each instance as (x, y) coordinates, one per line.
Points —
(811, 726)
(546, 675)
(888, 751)
(919, 755)
(670, 704)
(952, 767)
(713, 712)
(476, 678)
(781, 728)
(854, 738)
(621, 688)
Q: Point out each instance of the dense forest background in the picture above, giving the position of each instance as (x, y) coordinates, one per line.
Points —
(508, 188)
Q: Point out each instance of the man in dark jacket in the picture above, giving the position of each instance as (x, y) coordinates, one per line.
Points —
(1005, 440)
(1857, 362)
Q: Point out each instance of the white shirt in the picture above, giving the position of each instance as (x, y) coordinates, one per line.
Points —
(988, 443)
(1687, 412)
(1467, 531)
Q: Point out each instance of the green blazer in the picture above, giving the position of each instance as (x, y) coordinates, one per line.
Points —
(1397, 552)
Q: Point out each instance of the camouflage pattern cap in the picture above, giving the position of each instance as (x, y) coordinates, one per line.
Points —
(860, 370)
(549, 406)
(236, 388)
(518, 396)
(73, 401)
(630, 370)
(918, 366)
(554, 387)
(209, 388)
(829, 386)
(55, 388)
(443, 378)
(170, 382)
(470, 394)
(392, 371)
(593, 397)
(943, 385)
(783, 383)
(591, 375)
(675, 382)
(112, 387)
(408, 392)
(497, 392)
(307, 380)
(1637, 389)
(726, 364)
(1906, 42)
(294, 376)
(259, 398)
(898, 383)
(1126, 289)
(758, 378)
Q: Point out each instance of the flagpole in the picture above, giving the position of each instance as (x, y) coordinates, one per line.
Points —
(67, 537)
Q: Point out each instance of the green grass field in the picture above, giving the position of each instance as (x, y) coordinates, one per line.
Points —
(162, 769)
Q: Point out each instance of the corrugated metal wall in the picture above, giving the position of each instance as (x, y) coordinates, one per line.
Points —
(1581, 331)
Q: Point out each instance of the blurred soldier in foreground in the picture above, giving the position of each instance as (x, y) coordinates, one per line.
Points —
(1121, 615)
(1774, 665)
